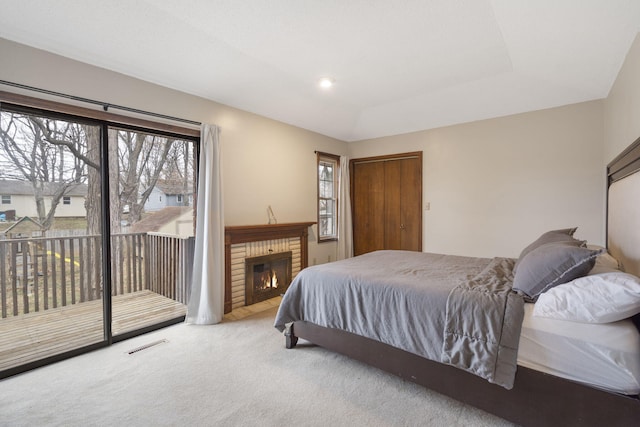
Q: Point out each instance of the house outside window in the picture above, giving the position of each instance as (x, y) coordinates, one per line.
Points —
(328, 175)
(66, 200)
(6, 199)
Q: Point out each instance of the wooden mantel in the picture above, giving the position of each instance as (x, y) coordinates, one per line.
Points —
(257, 233)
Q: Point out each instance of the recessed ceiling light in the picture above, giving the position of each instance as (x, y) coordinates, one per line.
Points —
(326, 82)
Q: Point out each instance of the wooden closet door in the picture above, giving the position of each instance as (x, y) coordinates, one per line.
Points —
(393, 204)
(411, 204)
(367, 206)
(386, 197)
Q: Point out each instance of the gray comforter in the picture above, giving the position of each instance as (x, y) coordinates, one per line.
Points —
(401, 298)
(483, 323)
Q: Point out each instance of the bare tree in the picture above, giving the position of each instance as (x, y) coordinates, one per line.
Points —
(142, 158)
(136, 163)
(118, 247)
(47, 153)
(83, 142)
(178, 171)
(93, 206)
(54, 156)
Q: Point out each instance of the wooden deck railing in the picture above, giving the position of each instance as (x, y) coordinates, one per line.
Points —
(37, 274)
(169, 265)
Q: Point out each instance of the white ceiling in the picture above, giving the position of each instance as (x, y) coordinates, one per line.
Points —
(399, 65)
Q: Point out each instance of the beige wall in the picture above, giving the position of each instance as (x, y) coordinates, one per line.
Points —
(181, 226)
(622, 106)
(495, 185)
(265, 162)
(23, 205)
(26, 206)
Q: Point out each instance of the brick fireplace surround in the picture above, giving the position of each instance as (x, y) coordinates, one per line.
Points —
(246, 241)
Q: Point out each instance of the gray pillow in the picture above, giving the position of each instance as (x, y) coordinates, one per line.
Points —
(565, 234)
(552, 264)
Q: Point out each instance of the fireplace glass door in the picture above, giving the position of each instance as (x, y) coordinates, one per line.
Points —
(267, 276)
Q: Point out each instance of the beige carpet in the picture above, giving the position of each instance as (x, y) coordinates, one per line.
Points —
(236, 373)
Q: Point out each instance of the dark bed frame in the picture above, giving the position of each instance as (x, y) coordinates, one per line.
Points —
(537, 399)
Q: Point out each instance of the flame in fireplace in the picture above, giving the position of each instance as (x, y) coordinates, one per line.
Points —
(269, 280)
(267, 276)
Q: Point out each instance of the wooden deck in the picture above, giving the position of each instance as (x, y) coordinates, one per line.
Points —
(34, 336)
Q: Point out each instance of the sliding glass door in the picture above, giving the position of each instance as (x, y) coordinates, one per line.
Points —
(51, 219)
(96, 233)
(152, 227)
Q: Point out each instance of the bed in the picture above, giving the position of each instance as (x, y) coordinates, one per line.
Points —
(526, 339)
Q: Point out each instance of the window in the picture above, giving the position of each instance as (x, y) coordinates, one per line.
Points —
(66, 200)
(6, 199)
(179, 198)
(328, 173)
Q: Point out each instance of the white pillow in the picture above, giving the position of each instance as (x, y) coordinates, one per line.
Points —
(596, 298)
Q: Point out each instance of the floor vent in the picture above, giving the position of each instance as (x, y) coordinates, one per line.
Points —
(146, 346)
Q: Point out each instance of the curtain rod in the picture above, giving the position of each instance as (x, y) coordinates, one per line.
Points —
(105, 105)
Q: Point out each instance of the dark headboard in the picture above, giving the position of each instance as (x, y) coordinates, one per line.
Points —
(623, 208)
(623, 211)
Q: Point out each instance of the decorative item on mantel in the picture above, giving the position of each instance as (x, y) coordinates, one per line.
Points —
(246, 236)
(272, 217)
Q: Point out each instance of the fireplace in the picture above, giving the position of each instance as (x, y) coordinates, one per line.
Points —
(267, 276)
(247, 241)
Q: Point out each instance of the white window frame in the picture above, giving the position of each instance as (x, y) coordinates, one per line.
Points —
(328, 218)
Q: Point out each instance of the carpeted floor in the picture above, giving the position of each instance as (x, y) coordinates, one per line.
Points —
(236, 373)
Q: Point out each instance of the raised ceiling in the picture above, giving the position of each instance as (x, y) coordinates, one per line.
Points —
(399, 65)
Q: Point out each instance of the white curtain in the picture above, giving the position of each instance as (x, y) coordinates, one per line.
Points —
(206, 303)
(345, 228)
